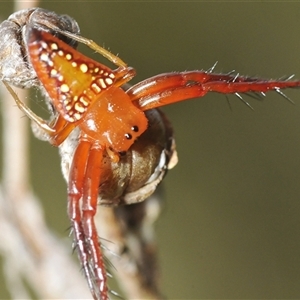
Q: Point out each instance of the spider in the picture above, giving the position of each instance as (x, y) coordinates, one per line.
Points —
(123, 144)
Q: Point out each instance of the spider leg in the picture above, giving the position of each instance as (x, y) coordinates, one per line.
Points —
(75, 192)
(28, 112)
(169, 88)
(56, 131)
(166, 81)
(90, 43)
(89, 209)
(62, 130)
(83, 188)
(123, 75)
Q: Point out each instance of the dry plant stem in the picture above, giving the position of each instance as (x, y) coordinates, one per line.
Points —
(15, 139)
(42, 255)
(125, 268)
(31, 252)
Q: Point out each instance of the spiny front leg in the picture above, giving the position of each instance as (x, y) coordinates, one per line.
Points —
(89, 209)
(76, 185)
(169, 88)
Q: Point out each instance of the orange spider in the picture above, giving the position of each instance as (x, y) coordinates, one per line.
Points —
(123, 146)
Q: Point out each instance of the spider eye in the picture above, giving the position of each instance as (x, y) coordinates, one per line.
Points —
(128, 136)
(135, 128)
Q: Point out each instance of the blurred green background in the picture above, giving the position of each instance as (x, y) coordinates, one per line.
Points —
(231, 223)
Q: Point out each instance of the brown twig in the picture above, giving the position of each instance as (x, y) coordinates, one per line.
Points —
(32, 255)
